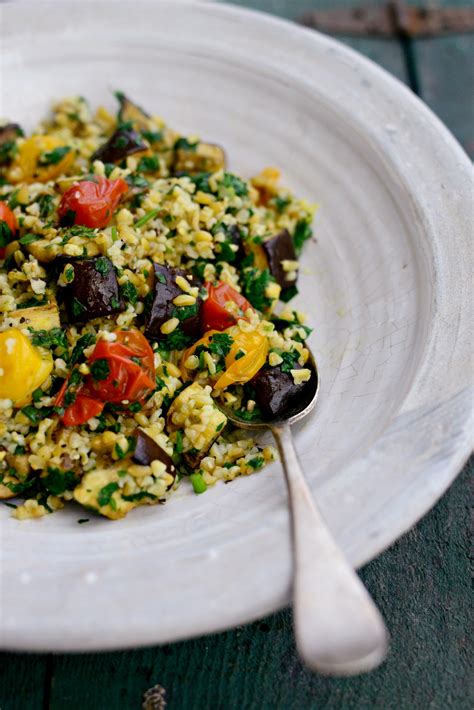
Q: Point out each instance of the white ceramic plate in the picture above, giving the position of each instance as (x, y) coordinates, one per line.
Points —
(386, 287)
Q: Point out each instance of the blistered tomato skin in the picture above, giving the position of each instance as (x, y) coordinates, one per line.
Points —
(92, 203)
(23, 367)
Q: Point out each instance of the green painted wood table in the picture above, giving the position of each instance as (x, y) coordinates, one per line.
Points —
(422, 584)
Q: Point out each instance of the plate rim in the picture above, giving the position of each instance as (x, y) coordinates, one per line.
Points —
(446, 470)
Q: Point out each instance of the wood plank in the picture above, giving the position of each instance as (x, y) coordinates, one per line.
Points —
(445, 69)
(421, 586)
(24, 680)
(388, 53)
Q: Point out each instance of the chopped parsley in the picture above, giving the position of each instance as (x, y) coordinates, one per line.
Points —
(281, 203)
(201, 180)
(102, 265)
(83, 343)
(185, 312)
(32, 414)
(220, 344)
(290, 359)
(184, 144)
(104, 496)
(54, 338)
(256, 463)
(29, 239)
(288, 293)
(302, 233)
(254, 283)
(53, 157)
(46, 205)
(100, 369)
(58, 481)
(6, 234)
(138, 496)
(148, 164)
(234, 183)
(129, 293)
(153, 136)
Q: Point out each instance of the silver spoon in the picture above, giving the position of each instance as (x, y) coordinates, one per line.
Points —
(338, 629)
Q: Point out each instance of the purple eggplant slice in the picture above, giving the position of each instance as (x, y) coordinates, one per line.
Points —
(122, 143)
(278, 249)
(93, 290)
(162, 307)
(277, 395)
(147, 450)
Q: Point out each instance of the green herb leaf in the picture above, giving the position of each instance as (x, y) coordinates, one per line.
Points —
(105, 494)
(29, 239)
(235, 183)
(102, 265)
(220, 344)
(76, 307)
(302, 233)
(54, 338)
(83, 343)
(183, 144)
(129, 293)
(100, 369)
(58, 481)
(53, 157)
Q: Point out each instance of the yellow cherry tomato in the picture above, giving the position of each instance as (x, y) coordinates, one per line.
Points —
(254, 345)
(39, 159)
(23, 367)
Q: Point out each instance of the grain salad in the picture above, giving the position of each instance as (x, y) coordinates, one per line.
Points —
(141, 284)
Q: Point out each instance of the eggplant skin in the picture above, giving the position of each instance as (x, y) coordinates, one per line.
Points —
(279, 248)
(275, 392)
(124, 142)
(147, 450)
(94, 291)
(163, 308)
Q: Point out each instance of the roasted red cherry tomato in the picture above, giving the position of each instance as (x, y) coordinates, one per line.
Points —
(8, 227)
(128, 368)
(82, 409)
(91, 203)
(120, 370)
(215, 315)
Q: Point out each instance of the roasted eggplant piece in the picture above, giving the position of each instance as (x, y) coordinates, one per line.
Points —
(93, 290)
(276, 394)
(162, 308)
(199, 158)
(279, 249)
(124, 142)
(147, 450)
(131, 113)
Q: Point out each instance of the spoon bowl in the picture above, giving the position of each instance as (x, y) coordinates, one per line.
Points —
(338, 629)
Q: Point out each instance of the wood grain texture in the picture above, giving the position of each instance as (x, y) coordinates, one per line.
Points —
(422, 584)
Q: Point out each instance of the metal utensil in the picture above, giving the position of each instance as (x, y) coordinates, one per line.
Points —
(338, 629)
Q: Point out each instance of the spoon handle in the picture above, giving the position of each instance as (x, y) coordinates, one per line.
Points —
(338, 629)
